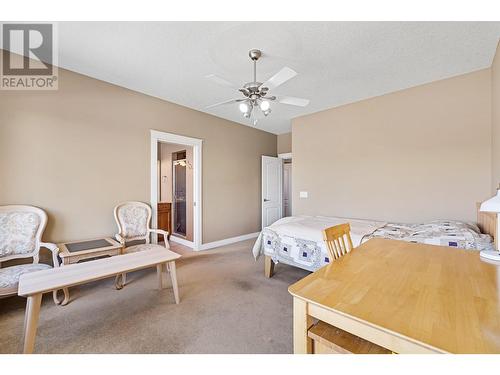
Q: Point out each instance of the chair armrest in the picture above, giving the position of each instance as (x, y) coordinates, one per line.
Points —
(162, 232)
(159, 231)
(54, 250)
(120, 239)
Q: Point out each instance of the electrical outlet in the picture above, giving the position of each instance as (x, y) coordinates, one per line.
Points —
(304, 194)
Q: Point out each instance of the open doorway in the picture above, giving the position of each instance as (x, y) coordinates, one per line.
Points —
(287, 187)
(176, 187)
(175, 204)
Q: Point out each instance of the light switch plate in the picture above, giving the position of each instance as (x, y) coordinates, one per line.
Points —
(304, 194)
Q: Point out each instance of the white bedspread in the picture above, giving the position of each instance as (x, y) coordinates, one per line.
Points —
(309, 228)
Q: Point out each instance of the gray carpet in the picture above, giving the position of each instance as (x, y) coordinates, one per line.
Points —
(227, 306)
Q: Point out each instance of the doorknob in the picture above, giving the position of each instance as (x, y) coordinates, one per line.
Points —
(266, 200)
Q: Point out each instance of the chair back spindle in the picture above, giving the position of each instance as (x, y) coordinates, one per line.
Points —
(338, 240)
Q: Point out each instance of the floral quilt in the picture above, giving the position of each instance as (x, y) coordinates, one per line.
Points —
(309, 252)
(443, 233)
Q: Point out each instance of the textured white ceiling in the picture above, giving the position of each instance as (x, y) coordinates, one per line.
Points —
(337, 62)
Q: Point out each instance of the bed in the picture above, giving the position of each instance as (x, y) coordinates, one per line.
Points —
(298, 240)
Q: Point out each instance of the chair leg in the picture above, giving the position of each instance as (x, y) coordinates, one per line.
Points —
(65, 299)
(54, 297)
(120, 281)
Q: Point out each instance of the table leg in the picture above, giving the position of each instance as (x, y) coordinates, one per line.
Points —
(173, 276)
(65, 261)
(159, 277)
(31, 321)
(165, 272)
(302, 344)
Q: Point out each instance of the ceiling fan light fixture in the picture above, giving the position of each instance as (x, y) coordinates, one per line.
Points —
(256, 100)
(265, 105)
(244, 107)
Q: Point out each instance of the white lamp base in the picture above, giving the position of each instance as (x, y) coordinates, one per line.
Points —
(490, 255)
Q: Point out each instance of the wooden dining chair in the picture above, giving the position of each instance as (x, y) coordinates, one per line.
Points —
(338, 240)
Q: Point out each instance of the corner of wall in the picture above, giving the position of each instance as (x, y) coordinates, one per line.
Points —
(284, 143)
(495, 120)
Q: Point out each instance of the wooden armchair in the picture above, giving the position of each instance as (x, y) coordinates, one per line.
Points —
(338, 240)
(133, 220)
(21, 229)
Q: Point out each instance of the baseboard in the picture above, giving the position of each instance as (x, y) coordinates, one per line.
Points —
(182, 241)
(228, 241)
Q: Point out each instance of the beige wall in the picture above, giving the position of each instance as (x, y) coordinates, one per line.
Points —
(285, 143)
(166, 180)
(419, 154)
(78, 151)
(495, 121)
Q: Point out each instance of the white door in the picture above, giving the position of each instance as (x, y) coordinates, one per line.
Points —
(272, 181)
(287, 189)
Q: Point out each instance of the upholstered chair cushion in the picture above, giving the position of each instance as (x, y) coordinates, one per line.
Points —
(9, 276)
(142, 247)
(18, 232)
(134, 220)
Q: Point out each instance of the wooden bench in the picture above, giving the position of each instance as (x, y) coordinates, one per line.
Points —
(33, 285)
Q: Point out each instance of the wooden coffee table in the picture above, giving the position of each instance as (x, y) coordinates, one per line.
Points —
(73, 252)
(76, 251)
(32, 285)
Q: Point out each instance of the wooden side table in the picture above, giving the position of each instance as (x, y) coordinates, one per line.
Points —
(73, 252)
(164, 219)
(76, 251)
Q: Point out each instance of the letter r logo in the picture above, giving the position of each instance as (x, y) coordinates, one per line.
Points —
(34, 42)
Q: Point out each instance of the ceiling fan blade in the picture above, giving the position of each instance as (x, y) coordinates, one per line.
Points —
(279, 78)
(290, 100)
(221, 81)
(224, 102)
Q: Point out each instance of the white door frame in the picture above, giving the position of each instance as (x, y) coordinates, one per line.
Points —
(159, 136)
(287, 155)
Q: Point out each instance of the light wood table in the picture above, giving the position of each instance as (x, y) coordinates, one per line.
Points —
(405, 297)
(73, 252)
(33, 285)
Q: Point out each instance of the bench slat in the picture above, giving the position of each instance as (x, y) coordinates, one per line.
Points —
(79, 273)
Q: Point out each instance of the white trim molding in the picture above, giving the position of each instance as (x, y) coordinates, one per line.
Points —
(159, 136)
(182, 241)
(228, 241)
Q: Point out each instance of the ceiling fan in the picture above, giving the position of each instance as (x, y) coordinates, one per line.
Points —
(255, 94)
